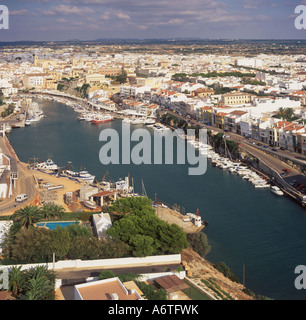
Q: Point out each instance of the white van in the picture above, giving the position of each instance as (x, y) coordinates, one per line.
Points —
(21, 197)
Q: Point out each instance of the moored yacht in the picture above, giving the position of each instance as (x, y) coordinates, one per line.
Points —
(101, 118)
(49, 165)
(276, 190)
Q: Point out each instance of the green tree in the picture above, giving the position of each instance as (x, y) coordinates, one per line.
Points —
(38, 289)
(32, 245)
(106, 274)
(17, 280)
(199, 243)
(57, 211)
(122, 77)
(76, 230)
(60, 242)
(143, 245)
(84, 248)
(151, 293)
(142, 221)
(113, 248)
(223, 268)
(27, 216)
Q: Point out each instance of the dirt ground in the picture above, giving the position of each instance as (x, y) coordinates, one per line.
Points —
(200, 268)
(172, 216)
(57, 196)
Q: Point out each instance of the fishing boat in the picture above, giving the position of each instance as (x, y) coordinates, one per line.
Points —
(101, 118)
(82, 175)
(85, 176)
(48, 165)
(276, 190)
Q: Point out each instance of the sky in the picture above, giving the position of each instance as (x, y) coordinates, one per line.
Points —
(60, 20)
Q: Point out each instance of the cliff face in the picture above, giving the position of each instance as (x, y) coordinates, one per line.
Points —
(202, 272)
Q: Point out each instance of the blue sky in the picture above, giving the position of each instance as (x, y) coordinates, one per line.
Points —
(53, 20)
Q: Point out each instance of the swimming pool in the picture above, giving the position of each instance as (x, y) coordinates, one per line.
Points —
(53, 225)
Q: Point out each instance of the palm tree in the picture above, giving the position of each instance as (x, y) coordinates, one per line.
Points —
(17, 280)
(51, 210)
(57, 211)
(38, 289)
(46, 211)
(40, 284)
(27, 216)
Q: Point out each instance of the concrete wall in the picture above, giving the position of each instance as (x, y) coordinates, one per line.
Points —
(122, 262)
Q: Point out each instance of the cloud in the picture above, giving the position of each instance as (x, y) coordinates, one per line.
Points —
(122, 15)
(20, 12)
(66, 10)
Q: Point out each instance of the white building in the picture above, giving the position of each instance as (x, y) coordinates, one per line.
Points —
(101, 223)
(249, 62)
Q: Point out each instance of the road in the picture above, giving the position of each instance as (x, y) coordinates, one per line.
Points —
(25, 182)
(94, 272)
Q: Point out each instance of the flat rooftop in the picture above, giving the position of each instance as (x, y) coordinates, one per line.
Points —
(104, 291)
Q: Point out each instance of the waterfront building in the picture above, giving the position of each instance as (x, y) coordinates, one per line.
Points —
(232, 120)
(204, 114)
(34, 80)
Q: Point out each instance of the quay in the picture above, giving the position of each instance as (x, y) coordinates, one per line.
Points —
(172, 216)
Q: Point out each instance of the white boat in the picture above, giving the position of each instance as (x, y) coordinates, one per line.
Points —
(90, 204)
(102, 118)
(276, 190)
(149, 121)
(266, 185)
(84, 175)
(126, 120)
(48, 165)
(137, 121)
(28, 122)
(8, 128)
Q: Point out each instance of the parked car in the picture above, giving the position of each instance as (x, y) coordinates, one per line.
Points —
(292, 182)
(274, 149)
(282, 148)
(21, 197)
(259, 144)
(286, 170)
(301, 186)
(266, 147)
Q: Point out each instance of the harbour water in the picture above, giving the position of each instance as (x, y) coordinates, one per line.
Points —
(247, 226)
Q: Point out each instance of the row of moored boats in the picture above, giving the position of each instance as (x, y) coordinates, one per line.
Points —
(235, 168)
